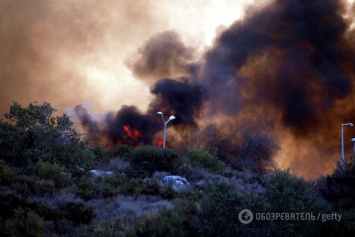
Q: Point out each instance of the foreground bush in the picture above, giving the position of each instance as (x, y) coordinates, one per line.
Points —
(166, 223)
(23, 223)
(338, 188)
(203, 159)
(152, 158)
(292, 194)
(33, 133)
(221, 205)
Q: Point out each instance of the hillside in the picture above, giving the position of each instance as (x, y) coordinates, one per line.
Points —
(54, 183)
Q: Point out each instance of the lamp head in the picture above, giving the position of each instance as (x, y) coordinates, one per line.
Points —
(160, 113)
(353, 140)
(172, 117)
(348, 124)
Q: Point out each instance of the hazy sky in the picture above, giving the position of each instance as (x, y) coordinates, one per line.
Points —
(75, 51)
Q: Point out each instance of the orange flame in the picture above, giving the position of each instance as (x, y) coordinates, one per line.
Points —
(160, 143)
(132, 133)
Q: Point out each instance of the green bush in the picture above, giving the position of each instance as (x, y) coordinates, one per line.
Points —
(289, 193)
(23, 223)
(220, 207)
(33, 133)
(122, 151)
(152, 158)
(116, 184)
(81, 156)
(55, 172)
(292, 194)
(87, 189)
(168, 222)
(6, 174)
(77, 213)
(118, 226)
(203, 159)
(338, 189)
(26, 185)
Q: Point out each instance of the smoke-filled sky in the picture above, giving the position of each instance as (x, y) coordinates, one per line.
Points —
(289, 64)
(76, 50)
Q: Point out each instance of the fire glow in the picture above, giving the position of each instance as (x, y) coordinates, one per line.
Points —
(160, 143)
(132, 133)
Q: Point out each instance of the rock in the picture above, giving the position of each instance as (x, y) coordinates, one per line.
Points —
(100, 172)
(177, 183)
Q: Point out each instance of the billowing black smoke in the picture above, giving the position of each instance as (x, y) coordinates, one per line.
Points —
(292, 56)
(182, 98)
(290, 65)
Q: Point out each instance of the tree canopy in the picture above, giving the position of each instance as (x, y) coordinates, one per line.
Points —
(32, 133)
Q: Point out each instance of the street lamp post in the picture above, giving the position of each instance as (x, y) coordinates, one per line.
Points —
(165, 123)
(353, 140)
(342, 142)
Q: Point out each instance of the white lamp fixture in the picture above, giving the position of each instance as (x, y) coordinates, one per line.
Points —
(172, 117)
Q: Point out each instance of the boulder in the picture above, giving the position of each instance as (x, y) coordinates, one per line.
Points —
(100, 172)
(177, 183)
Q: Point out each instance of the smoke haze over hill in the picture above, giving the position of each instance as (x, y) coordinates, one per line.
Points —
(287, 64)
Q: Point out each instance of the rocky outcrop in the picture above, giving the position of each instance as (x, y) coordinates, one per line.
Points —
(100, 172)
(177, 183)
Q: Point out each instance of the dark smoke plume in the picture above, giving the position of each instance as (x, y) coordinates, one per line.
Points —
(182, 97)
(289, 65)
(302, 49)
(292, 64)
(164, 55)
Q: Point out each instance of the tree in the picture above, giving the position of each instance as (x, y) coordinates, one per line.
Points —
(33, 133)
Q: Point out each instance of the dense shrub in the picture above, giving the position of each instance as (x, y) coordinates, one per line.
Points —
(121, 151)
(33, 133)
(23, 223)
(152, 158)
(292, 194)
(77, 213)
(116, 226)
(285, 193)
(24, 185)
(6, 174)
(54, 172)
(203, 159)
(87, 188)
(338, 189)
(220, 207)
(167, 222)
